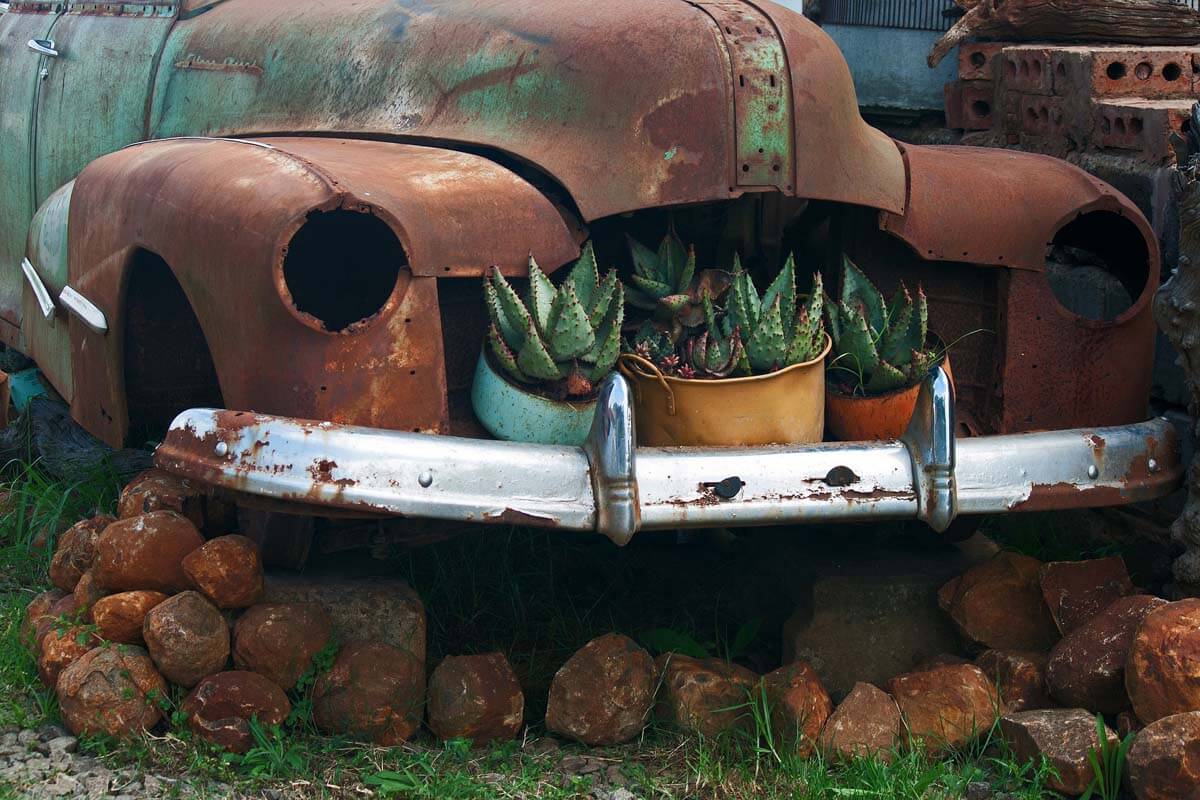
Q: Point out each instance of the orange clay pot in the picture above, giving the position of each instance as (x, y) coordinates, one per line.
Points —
(882, 416)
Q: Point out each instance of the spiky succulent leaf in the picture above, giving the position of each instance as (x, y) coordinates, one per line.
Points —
(896, 343)
(766, 346)
(784, 288)
(885, 378)
(585, 277)
(608, 292)
(743, 305)
(569, 332)
(856, 347)
(541, 296)
(689, 269)
(807, 341)
(919, 364)
(816, 302)
(604, 353)
(710, 315)
(857, 288)
(534, 359)
(645, 261)
(639, 299)
(511, 316)
(504, 354)
(654, 288)
(919, 325)
(672, 257)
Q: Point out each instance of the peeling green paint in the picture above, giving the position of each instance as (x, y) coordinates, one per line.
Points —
(667, 156)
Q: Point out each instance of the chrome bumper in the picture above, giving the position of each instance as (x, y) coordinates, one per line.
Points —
(615, 488)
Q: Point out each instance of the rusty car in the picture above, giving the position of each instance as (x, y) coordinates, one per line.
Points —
(256, 230)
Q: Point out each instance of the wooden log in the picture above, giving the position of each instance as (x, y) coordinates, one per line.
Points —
(1148, 22)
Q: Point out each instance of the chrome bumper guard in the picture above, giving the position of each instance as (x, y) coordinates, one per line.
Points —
(617, 489)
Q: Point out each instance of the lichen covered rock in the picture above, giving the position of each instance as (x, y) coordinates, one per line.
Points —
(157, 490)
(145, 552)
(1164, 761)
(475, 697)
(279, 640)
(945, 707)
(1020, 676)
(187, 637)
(604, 693)
(227, 570)
(373, 692)
(1163, 671)
(999, 604)
(113, 690)
(220, 707)
(706, 696)
(119, 617)
(1076, 591)
(76, 551)
(1063, 736)
(799, 705)
(865, 724)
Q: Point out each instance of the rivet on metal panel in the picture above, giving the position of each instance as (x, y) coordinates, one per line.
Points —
(222, 449)
(761, 90)
(1152, 465)
(1093, 471)
(425, 479)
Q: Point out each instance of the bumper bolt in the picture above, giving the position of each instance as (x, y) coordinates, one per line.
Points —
(425, 479)
(222, 449)
(1093, 471)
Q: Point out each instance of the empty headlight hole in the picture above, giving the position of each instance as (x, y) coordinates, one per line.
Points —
(341, 268)
(1098, 265)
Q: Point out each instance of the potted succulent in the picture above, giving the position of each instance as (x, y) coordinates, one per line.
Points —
(546, 354)
(725, 366)
(881, 352)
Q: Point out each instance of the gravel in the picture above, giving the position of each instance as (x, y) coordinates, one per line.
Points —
(46, 763)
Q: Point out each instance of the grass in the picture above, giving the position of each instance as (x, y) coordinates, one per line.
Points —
(537, 597)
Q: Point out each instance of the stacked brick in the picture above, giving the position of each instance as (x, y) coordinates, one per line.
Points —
(1058, 99)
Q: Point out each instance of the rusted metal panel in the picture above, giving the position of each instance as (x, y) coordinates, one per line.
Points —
(838, 156)
(762, 95)
(570, 86)
(1056, 369)
(387, 372)
(18, 96)
(94, 97)
(978, 205)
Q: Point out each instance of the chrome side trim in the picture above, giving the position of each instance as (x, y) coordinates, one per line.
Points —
(84, 309)
(45, 304)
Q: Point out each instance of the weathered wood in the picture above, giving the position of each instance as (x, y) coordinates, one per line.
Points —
(1150, 22)
(1177, 310)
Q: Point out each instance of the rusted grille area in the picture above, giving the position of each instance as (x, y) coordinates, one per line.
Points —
(922, 15)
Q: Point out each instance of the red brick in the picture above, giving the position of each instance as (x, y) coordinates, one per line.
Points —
(1099, 72)
(1042, 116)
(970, 105)
(1142, 125)
(977, 60)
(1026, 69)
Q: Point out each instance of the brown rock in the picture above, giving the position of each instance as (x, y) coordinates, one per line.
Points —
(1076, 591)
(940, 660)
(1127, 723)
(374, 692)
(604, 693)
(87, 594)
(1163, 675)
(156, 490)
(62, 614)
(145, 552)
(76, 550)
(799, 705)
(706, 696)
(1020, 676)
(119, 617)
(873, 620)
(1087, 668)
(227, 570)
(187, 637)
(279, 640)
(1064, 736)
(999, 604)
(867, 723)
(221, 706)
(475, 697)
(61, 647)
(1164, 760)
(385, 610)
(37, 611)
(113, 690)
(945, 707)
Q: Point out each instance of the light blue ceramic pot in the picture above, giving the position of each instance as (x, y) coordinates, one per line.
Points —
(517, 415)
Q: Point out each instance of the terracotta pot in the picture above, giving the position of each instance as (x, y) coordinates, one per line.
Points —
(883, 416)
(784, 407)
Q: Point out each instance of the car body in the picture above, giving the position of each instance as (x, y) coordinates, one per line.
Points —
(286, 208)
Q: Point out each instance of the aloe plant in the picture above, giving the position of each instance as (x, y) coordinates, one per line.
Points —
(776, 330)
(745, 335)
(566, 338)
(878, 346)
(667, 284)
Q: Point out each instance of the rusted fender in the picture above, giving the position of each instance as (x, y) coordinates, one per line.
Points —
(1004, 208)
(627, 104)
(999, 207)
(221, 213)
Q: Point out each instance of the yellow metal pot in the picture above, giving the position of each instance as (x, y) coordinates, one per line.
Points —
(784, 407)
